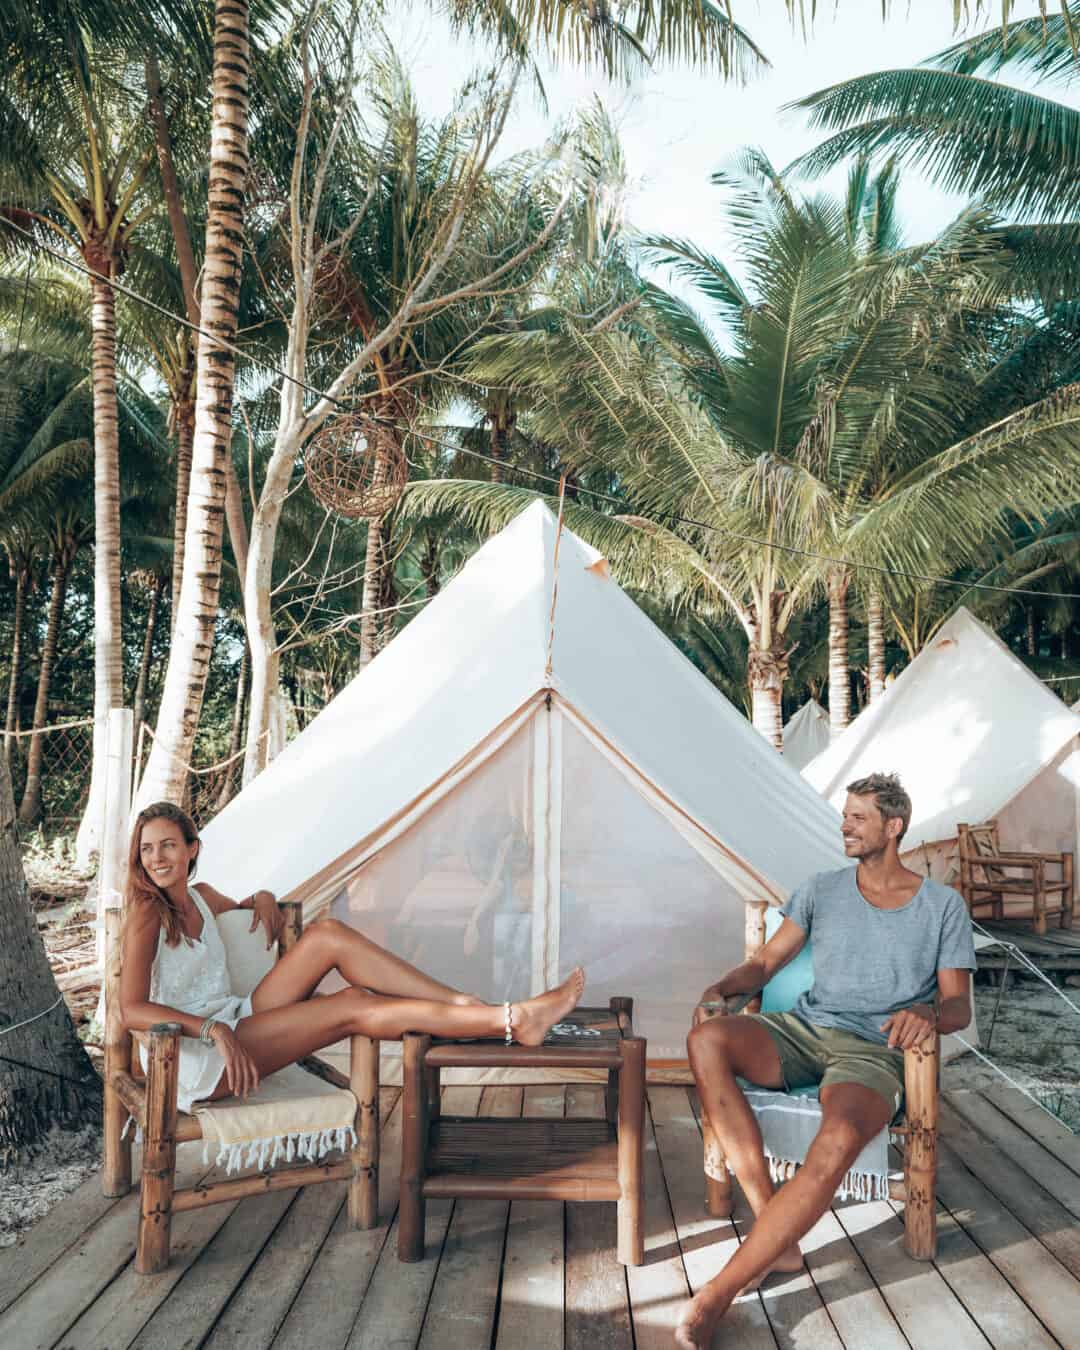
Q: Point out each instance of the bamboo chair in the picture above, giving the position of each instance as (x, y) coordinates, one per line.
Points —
(987, 876)
(152, 1102)
(916, 1135)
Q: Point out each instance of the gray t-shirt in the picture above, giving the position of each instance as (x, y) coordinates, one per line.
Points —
(871, 962)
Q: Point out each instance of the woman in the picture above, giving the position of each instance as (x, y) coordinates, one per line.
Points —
(174, 970)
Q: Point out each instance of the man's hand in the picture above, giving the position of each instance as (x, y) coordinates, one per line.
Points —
(910, 1026)
(712, 1003)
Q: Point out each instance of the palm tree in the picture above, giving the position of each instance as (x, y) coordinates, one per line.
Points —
(810, 439)
(74, 157)
(1016, 151)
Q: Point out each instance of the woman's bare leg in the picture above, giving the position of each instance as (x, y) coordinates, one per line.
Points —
(331, 945)
(280, 1036)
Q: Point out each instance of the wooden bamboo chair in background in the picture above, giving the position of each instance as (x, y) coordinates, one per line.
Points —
(916, 1135)
(152, 1103)
(987, 876)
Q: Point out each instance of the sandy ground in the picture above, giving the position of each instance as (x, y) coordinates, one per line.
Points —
(1036, 1041)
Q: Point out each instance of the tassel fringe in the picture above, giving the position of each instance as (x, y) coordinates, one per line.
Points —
(309, 1146)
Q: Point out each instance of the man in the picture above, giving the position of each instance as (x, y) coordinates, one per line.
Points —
(893, 954)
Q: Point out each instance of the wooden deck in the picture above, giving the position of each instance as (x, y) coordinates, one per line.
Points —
(1058, 950)
(282, 1270)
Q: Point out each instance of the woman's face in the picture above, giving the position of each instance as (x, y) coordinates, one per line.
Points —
(165, 854)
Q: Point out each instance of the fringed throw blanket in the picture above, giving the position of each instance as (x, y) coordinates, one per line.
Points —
(292, 1116)
(789, 1123)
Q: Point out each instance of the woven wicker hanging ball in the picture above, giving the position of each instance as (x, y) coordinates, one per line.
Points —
(356, 467)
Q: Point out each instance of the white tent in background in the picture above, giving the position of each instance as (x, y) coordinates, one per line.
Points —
(528, 777)
(806, 734)
(974, 736)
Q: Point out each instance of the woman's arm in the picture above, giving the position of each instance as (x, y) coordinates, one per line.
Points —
(262, 903)
(140, 947)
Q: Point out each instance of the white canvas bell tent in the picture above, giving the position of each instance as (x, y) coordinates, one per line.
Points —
(528, 777)
(806, 734)
(974, 736)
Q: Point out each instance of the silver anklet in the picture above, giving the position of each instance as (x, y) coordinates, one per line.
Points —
(508, 1019)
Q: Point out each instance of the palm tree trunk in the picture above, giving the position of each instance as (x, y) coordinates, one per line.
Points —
(108, 669)
(875, 642)
(197, 603)
(62, 1087)
(234, 769)
(839, 672)
(22, 584)
(767, 671)
(148, 643)
(369, 619)
(185, 435)
(30, 806)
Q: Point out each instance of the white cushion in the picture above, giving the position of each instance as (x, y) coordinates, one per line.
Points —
(246, 953)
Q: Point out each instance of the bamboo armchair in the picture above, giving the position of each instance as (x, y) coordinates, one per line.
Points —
(987, 876)
(916, 1135)
(152, 1102)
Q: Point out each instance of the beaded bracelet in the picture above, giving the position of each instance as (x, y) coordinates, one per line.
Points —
(508, 1019)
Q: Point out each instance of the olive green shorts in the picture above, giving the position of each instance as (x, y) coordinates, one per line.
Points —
(813, 1056)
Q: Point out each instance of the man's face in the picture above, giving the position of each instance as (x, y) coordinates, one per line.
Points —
(863, 829)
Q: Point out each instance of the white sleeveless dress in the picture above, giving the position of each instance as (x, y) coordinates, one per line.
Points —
(193, 977)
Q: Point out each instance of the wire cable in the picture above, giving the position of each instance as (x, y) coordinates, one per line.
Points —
(321, 394)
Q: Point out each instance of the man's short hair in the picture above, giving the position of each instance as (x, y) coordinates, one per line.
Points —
(889, 795)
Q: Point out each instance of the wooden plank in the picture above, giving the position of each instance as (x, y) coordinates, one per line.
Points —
(1013, 1142)
(334, 1289)
(928, 1312)
(56, 1300)
(531, 1313)
(1039, 1212)
(858, 1311)
(706, 1243)
(392, 1313)
(1002, 1316)
(188, 1314)
(464, 1297)
(260, 1305)
(47, 1240)
(1048, 1289)
(1053, 1134)
(597, 1306)
(659, 1288)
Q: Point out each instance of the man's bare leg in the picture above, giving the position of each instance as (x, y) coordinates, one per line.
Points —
(851, 1116)
(720, 1049)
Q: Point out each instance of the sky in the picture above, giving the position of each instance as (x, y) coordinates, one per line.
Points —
(678, 125)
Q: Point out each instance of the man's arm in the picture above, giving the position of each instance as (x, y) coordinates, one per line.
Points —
(784, 945)
(952, 1013)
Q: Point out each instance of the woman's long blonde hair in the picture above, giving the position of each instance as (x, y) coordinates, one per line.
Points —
(139, 884)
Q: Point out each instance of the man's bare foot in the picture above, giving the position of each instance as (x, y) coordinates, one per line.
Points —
(788, 1263)
(532, 1020)
(697, 1322)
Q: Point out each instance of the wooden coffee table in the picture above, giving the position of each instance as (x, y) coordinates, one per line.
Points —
(528, 1159)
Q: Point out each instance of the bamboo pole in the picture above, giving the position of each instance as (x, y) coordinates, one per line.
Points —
(159, 1149)
(294, 925)
(495, 1055)
(412, 1211)
(281, 1179)
(363, 1203)
(623, 1010)
(920, 1155)
(631, 1146)
(1067, 895)
(718, 1201)
(459, 1185)
(754, 940)
(116, 1166)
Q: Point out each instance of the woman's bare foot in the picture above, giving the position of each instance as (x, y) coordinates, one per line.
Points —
(788, 1263)
(532, 1020)
(466, 1001)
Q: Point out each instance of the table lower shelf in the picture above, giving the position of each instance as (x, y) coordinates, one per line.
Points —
(522, 1159)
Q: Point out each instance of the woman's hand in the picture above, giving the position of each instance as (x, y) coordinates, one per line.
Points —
(265, 911)
(241, 1075)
